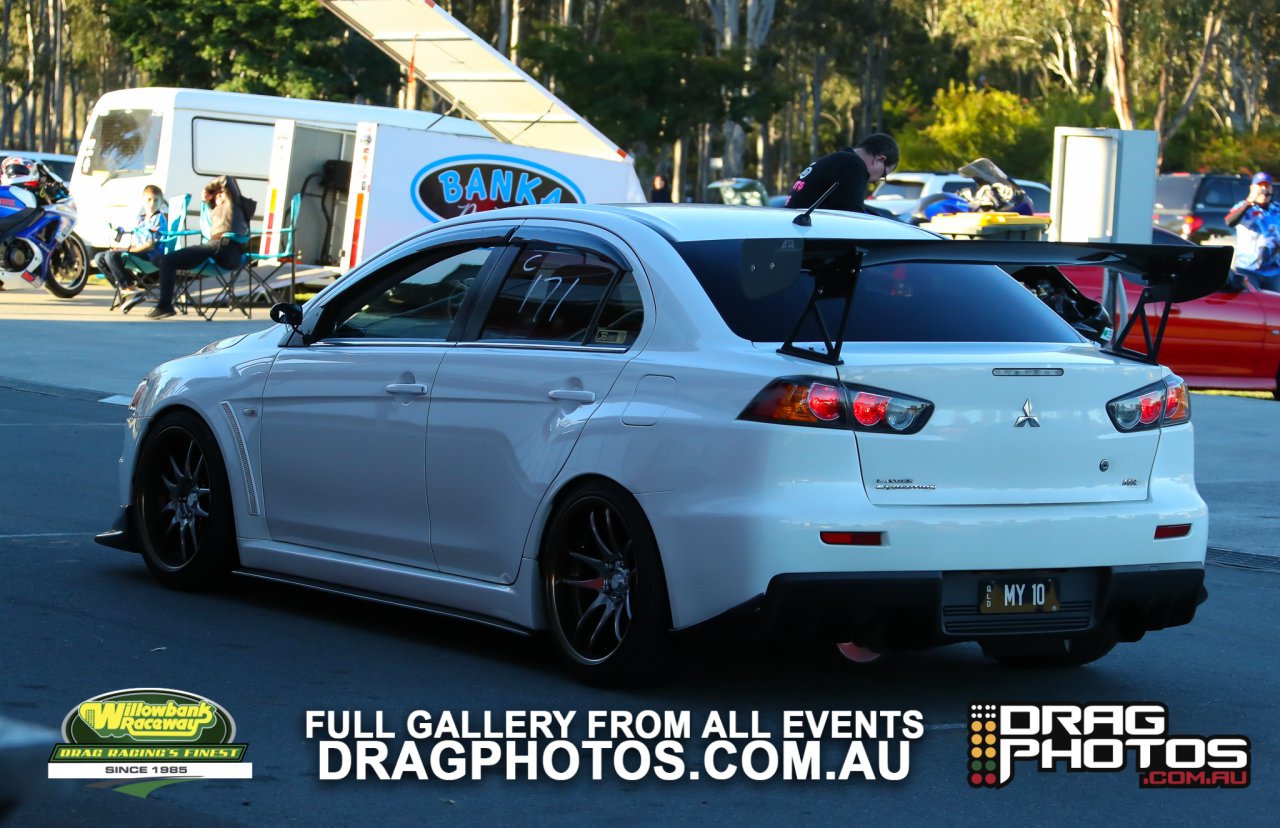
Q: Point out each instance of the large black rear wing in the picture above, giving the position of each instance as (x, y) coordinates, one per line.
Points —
(1169, 273)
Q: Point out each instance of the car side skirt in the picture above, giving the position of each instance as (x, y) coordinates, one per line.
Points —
(505, 605)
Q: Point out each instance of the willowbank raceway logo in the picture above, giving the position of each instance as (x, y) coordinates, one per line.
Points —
(149, 733)
(1101, 737)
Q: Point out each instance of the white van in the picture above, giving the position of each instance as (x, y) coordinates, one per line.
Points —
(178, 139)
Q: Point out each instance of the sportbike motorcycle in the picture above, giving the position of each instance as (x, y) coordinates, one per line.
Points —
(37, 245)
(993, 191)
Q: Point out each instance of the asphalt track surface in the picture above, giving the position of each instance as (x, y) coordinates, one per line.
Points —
(78, 620)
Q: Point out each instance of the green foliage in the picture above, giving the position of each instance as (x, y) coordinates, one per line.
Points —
(279, 47)
(1238, 153)
(968, 123)
(648, 79)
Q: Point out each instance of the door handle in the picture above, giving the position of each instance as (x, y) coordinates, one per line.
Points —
(411, 389)
(572, 395)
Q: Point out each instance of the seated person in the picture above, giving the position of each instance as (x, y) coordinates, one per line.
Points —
(230, 223)
(142, 242)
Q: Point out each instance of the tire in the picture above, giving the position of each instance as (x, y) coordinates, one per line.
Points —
(182, 505)
(68, 268)
(605, 594)
(1062, 652)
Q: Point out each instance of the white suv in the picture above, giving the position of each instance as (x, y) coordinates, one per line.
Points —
(900, 192)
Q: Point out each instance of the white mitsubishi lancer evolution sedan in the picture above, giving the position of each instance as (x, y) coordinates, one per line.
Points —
(614, 423)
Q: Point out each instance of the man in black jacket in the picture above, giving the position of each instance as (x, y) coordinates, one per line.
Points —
(852, 168)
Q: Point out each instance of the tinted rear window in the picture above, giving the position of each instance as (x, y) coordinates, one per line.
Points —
(1223, 193)
(892, 303)
(1174, 192)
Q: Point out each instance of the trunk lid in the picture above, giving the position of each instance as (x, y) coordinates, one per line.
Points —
(997, 435)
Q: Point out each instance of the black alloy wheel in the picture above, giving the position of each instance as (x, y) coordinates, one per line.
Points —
(182, 504)
(606, 598)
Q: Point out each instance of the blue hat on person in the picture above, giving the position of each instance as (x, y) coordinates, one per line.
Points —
(1262, 178)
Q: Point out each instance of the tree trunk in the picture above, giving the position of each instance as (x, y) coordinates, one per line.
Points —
(515, 30)
(6, 107)
(504, 27)
(1212, 28)
(815, 87)
(1117, 62)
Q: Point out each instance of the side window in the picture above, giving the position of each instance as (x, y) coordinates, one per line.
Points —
(234, 148)
(552, 294)
(420, 305)
(621, 316)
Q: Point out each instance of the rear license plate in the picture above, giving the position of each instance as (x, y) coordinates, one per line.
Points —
(1016, 594)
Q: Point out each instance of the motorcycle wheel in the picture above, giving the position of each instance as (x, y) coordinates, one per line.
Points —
(68, 268)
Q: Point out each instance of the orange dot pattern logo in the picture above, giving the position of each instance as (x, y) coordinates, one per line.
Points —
(983, 745)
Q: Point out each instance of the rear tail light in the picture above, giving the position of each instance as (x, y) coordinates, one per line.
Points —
(1191, 224)
(826, 404)
(1165, 403)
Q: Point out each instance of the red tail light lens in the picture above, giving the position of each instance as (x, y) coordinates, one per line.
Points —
(824, 401)
(868, 409)
(1165, 403)
(1191, 224)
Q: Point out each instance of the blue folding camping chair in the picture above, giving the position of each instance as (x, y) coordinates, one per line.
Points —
(190, 283)
(260, 283)
(145, 273)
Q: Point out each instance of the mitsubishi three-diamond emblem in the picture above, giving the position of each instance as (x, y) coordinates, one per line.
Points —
(1027, 418)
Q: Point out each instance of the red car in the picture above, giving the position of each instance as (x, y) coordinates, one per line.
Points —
(1225, 340)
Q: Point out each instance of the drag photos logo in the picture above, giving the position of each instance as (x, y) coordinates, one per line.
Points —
(1101, 738)
(149, 733)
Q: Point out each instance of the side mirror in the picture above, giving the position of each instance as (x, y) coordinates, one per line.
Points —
(284, 313)
(1235, 283)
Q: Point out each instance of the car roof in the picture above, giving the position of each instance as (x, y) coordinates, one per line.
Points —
(705, 222)
(925, 177)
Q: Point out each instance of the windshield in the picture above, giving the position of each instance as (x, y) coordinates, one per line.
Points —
(124, 142)
(892, 303)
(894, 188)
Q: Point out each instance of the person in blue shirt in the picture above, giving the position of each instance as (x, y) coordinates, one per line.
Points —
(1257, 223)
(143, 241)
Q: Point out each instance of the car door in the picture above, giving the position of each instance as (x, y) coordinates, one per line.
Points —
(511, 399)
(1220, 335)
(344, 416)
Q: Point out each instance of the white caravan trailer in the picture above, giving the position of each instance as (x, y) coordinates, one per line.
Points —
(180, 138)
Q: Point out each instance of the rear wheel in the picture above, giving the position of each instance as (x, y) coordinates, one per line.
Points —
(182, 504)
(68, 268)
(1062, 652)
(605, 594)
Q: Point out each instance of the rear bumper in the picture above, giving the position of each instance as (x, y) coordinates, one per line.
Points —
(907, 610)
(120, 535)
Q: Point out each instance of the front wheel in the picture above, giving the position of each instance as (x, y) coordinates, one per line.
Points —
(182, 504)
(605, 593)
(68, 268)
